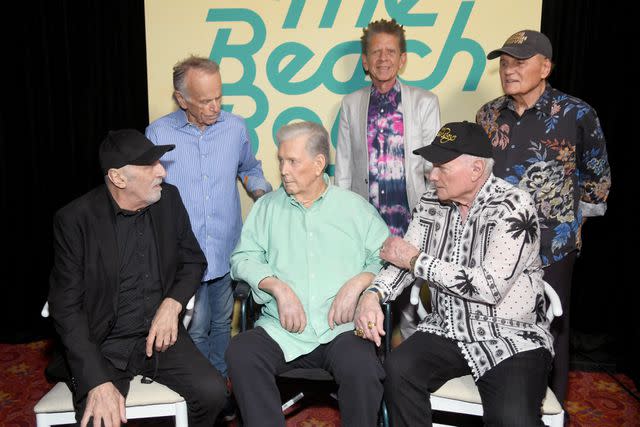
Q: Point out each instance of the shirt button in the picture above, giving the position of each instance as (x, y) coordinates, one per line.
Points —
(205, 176)
(206, 197)
(518, 123)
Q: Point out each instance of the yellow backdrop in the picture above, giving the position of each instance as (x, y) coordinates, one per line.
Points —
(285, 60)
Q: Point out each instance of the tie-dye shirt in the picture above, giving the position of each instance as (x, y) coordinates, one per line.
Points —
(385, 142)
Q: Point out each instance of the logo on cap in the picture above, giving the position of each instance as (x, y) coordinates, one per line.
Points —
(517, 38)
(445, 136)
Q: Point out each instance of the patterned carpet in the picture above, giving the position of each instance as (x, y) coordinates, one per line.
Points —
(595, 399)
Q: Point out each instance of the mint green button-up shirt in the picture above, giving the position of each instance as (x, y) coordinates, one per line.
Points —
(314, 250)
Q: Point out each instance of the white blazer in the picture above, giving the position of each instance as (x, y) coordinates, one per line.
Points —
(421, 118)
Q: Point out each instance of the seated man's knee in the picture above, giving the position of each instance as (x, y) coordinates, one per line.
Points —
(241, 353)
(210, 391)
(397, 366)
(512, 414)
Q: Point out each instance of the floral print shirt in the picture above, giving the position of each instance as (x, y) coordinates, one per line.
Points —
(556, 152)
(385, 142)
(484, 274)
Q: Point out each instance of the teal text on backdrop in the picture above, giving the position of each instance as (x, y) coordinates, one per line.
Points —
(287, 59)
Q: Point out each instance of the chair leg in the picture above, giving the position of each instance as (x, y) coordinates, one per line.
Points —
(383, 415)
(182, 419)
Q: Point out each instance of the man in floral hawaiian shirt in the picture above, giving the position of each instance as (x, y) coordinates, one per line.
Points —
(551, 145)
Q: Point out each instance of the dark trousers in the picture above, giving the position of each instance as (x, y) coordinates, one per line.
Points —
(254, 359)
(511, 392)
(183, 369)
(558, 275)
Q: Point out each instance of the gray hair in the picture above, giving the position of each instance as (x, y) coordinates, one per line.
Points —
(317, 137)
(487, 161)
(192, 63)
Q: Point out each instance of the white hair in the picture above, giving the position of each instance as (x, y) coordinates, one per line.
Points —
(486, 161)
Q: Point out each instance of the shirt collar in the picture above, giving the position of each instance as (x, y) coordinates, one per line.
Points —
(118, 210)
(326, 180)
(180, 119)
(543, 104)
(396, 88)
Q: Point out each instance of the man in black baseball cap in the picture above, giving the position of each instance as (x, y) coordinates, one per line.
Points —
(461, 157)
(474, 239)
(540, 134)
(524, 44)
(129, 147)
(126, 264)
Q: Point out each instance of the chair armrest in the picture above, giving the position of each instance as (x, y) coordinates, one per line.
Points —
(242, 293)
(555, 306)
(45, 310)
(242, 290)
(188, 314)
(386, 309)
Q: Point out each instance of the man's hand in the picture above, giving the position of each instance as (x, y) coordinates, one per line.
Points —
(164, 327)
(398, 252)
(290, 310)
(256, 194)
(369, 317)
(344, 304)
(104, 404)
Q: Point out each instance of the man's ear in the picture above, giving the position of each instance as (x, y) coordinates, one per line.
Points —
(477, 169)
(320, 163)
(180, 99)
(117, 178)
(546, 68)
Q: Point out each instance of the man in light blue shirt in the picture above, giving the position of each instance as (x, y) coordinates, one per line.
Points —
(212, 152)
(307, 250)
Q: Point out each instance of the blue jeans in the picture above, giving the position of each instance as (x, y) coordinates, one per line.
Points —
(210, 327)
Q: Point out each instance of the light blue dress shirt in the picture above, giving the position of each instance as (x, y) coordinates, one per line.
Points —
(204, 166)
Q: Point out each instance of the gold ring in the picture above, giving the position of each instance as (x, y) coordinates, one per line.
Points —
(370, 325)
(358, 332)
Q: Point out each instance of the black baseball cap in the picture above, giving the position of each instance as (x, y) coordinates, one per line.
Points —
(455, 139)
(523, 45)
(129, 147)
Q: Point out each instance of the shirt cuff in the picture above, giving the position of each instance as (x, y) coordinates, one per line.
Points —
(591, 209)
(254, 278)
(382, 296)
(257, 183)
(426, 268)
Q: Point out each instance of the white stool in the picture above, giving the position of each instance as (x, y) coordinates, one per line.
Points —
(460, 395)
(143, 401)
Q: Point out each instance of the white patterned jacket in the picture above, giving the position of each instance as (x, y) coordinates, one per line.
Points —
(484, 275)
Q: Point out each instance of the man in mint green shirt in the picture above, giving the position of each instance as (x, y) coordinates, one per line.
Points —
(307, 250)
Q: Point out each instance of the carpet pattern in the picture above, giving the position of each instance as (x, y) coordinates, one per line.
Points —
(595, 399)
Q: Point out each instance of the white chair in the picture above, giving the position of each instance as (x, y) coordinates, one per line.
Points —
(143, 401)
(460, 395)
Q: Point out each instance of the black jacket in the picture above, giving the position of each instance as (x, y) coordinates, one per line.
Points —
(84, 280)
